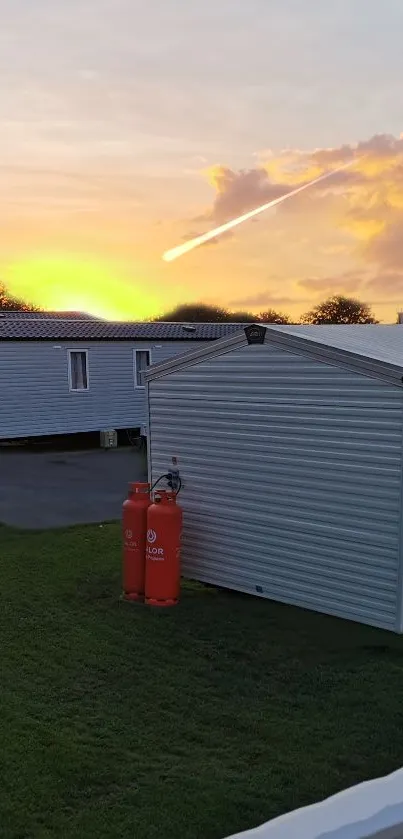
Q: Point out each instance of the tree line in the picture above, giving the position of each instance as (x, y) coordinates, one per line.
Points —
(336, 309)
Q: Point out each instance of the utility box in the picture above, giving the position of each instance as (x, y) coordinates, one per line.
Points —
(108, 439)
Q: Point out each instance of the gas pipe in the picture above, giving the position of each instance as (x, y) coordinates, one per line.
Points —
(134, 540)
(164, 529)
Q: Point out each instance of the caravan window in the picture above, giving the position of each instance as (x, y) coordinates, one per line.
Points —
(78, 369)
(141, 360)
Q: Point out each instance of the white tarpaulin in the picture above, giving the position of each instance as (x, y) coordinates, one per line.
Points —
(372, 810)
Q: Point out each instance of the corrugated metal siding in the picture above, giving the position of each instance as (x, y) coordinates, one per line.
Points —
(35, 397)
(292, 479)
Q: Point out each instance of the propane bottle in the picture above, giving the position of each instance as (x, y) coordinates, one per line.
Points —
(164, 529)
(134, 540)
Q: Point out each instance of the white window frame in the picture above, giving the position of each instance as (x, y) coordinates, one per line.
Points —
(139, 349)
(69, 354)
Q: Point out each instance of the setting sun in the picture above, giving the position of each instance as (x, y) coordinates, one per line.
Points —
(65, 284)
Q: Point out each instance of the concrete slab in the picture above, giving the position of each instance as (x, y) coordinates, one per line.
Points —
(56, 489)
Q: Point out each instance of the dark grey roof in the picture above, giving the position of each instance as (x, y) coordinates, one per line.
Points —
(48, 329)
(4, 313)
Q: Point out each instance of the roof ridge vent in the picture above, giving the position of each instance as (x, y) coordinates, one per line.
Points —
(255, 333)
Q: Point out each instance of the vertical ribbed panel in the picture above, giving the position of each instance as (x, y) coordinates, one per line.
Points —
(292, 479)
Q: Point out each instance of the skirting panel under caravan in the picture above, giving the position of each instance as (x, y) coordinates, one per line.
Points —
(292, 474)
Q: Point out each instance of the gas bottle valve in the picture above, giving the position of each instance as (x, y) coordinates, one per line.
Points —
(173, 477)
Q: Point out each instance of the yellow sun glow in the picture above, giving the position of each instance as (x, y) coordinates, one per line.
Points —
(66, 284)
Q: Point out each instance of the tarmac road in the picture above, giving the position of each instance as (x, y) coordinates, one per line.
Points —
(55, 489)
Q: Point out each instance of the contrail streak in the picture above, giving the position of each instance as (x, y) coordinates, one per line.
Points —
(180, 250)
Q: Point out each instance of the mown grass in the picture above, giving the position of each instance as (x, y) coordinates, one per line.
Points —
(118, 721)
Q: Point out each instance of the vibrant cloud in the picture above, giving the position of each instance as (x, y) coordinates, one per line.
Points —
(372, 186)
(348, 283)
(238, 192)
(363, 204)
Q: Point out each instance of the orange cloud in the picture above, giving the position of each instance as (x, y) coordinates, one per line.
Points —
(365, 201)
(364, 227)
(386, 249)
(238, 192)
(348, 282)
(264, 299)
(390, 284)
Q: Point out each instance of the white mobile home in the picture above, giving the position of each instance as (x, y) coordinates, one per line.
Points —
(71, 375)
(289, 442)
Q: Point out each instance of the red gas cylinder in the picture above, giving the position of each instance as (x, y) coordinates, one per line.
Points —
(164, 529)
(134, 540)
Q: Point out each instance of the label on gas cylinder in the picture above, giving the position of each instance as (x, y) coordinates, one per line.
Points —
(129, 541)
(156, 554)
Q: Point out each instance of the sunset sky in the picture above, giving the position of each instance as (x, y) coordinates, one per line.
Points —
(128, 127)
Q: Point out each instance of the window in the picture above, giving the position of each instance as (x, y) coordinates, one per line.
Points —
(142, 360)
(78, 369)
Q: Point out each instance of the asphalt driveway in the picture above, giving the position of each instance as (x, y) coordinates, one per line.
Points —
(55, 489)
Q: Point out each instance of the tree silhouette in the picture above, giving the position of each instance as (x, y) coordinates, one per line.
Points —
(339, 309)
(203, 313)
(270, 316)
(13, 304)
(241, 317)
(196, 313)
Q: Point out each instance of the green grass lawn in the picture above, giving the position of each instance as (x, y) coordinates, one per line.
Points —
(118, 721)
